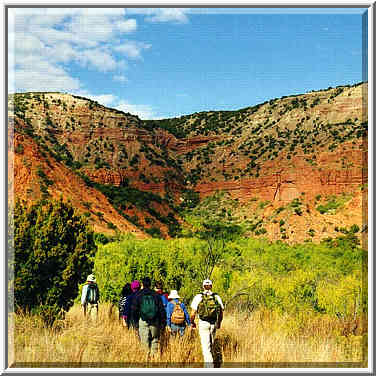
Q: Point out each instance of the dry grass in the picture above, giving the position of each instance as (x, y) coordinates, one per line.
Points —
(265, 339)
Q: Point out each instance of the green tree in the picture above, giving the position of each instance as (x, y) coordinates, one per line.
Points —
(53, 252)
(214, 221)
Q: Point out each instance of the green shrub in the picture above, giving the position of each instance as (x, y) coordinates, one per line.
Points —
(263, 204)
(99, 215)
(354, 229)
(19, 149)
(100, 238)
(333, 203)
(53, 250)
(280, 209)
(44, 177)
(111, 226)
(298, 211)
(155, 232)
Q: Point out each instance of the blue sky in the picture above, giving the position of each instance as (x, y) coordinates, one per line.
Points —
(160, 63)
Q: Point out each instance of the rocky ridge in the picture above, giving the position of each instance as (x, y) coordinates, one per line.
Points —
(311, 148)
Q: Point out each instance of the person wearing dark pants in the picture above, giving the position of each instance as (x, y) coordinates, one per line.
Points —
(148, 309)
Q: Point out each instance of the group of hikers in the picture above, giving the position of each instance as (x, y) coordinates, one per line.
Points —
(152, 311)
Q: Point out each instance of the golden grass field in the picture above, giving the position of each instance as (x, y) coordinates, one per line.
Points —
(261, 339)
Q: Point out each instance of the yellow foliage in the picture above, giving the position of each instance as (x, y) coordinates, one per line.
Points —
(342, 298)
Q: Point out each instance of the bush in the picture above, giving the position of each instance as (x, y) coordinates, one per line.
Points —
(100, 238)
(53, 251)
(298, 211)
(19, 149)
(175, 262)
(111, 226)
(251, 273)
(155, 232)
(333, 203)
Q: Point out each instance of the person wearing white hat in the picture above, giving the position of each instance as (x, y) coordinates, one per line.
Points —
(90, 297)
(177, 314)
(209, 307)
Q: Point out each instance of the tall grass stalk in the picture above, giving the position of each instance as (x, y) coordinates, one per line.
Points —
(263, 337)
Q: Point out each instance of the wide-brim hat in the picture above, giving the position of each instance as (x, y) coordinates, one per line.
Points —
(90, 278)
(207, 282)
(174, 295)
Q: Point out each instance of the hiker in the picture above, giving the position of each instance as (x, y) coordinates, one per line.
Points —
(177, 315)
(147, 306)
(159, 290)
(209, 307)
(90, 297)
(132, 322)
(125, 292)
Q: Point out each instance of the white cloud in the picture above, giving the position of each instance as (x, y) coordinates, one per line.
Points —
(61, 52)
(92, 37)
(26, 43)
(93, 28)
(96, 58)
(120, 78)
(162, 14)
(142, 111)
(168, 15)
(104, 99)
(52, 36)
(109, 100)
(36, 74)
(127, 26)
(132, 49)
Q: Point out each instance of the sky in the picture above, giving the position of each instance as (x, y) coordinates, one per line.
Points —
(167, 62)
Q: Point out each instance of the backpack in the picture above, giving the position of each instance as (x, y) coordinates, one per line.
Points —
(208, 309)
(92, 293)
(148, 307)
(177, 316)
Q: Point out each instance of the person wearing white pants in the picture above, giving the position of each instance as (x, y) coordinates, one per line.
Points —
(207, 326)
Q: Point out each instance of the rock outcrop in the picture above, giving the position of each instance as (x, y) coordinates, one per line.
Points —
(297, 147)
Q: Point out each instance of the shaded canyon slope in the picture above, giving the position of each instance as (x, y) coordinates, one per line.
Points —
(297, 165)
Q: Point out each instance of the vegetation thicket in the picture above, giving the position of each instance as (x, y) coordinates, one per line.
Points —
(252, 273)
(53, 252)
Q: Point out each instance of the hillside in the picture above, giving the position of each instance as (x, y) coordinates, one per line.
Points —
(296, 164)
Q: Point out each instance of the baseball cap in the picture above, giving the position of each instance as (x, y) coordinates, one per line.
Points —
(135, 285)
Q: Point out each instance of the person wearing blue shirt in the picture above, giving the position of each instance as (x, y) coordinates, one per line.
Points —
(159, 290)
(176, 323)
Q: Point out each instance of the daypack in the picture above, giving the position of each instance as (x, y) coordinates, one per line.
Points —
(208, 309)
(122, 305)
(177, 316)
(148, 307)
(92, 293)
